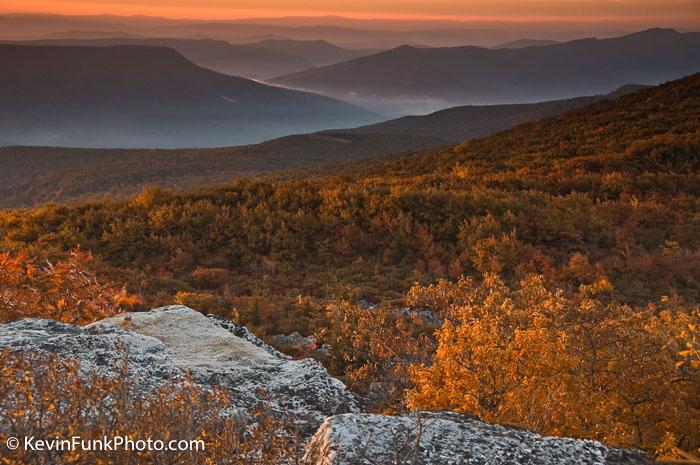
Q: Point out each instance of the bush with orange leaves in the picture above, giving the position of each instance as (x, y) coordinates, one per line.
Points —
(47, 398)
(65, 291)
(562, 365)
(374, 348)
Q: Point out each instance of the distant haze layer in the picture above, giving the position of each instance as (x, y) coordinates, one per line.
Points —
(492, 9)
(358, 33)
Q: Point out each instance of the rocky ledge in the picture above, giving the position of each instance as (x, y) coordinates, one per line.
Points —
(441, 438)
(172, 342)
(169, 342)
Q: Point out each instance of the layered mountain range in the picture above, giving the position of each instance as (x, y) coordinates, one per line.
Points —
(347, 32)
(409, 77)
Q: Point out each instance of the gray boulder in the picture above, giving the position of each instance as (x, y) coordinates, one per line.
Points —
(100, 348)
(439, 438)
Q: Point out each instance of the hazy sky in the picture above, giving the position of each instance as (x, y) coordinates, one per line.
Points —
(457, 9)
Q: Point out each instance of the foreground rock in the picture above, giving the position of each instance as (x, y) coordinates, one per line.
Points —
(100, 349)
(169, 342)
(450, 439)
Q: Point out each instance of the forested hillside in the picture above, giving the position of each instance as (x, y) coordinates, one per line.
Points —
(608, 190)
(550, 272)
(32, 176)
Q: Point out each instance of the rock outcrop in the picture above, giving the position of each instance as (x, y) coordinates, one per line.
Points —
(99, 348)
(450, 439)
(169, 343)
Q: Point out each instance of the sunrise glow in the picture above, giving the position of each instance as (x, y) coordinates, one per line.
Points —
(508, 10)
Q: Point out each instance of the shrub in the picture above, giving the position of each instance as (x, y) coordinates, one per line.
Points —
(561, 365)
(47, 397)
(65, 291)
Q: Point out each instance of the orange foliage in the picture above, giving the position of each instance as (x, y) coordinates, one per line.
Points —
(65, 291)
(570, 366)
(47, 398)
(375, 347)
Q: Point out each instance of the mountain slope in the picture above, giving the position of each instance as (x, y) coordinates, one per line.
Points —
(34, 175)
(249, 61)
(473, 75)
(135, 96)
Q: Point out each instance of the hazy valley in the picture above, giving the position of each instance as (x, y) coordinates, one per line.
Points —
(35, 175)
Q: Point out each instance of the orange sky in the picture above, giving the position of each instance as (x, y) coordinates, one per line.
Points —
(456, 9)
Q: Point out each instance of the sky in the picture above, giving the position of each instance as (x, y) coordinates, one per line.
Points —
(400, 9)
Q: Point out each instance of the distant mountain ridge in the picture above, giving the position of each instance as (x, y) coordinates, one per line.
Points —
(319, 52)
(235, 60)
(80, 34)
(257, 60)
(462, 123)
(475, 75)
(146, 96)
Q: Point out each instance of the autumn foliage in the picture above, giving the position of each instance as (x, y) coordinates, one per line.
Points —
(65, 291)
(375, 349)
(562, 365)
(47, 397)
